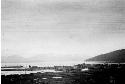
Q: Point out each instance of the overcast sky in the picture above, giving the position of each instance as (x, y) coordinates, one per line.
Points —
(83, 28)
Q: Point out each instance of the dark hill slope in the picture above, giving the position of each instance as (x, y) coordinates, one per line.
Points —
(117, 56)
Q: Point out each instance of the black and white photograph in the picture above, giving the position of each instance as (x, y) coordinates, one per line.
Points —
(62, 41)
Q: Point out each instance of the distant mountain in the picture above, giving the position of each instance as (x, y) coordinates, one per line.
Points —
(117, 56)
(19, 59)
(39, 58)
(12, 59)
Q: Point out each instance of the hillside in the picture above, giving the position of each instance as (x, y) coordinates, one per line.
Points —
(117, 56)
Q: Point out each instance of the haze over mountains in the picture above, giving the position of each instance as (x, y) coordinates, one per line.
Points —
(40, 58)
(117, 56)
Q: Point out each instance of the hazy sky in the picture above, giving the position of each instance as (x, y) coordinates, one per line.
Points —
(80, 28)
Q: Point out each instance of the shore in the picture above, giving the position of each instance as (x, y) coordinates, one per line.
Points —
(98, 74)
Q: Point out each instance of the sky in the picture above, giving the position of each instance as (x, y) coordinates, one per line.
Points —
(62, 28)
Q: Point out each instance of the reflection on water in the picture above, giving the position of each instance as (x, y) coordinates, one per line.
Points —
(44, 78)
(44, 64)
(56, 77)
(26, 72)
(84, 69)
(17, 72)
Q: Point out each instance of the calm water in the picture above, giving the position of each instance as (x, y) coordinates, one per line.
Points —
(25, 72)
(44, 64)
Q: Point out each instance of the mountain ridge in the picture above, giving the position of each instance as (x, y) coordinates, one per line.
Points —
(117, 56)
